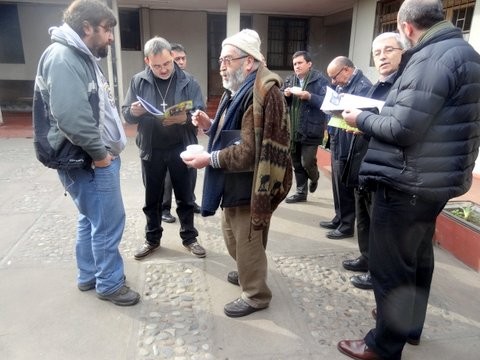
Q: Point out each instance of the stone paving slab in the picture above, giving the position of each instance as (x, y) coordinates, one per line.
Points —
(180, 316)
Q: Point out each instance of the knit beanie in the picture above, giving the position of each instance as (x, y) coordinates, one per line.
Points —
(246, 40)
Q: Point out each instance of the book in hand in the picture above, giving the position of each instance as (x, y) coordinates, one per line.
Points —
(334, 103)
(173, 115)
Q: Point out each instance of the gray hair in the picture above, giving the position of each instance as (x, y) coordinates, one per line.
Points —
(155, 46)
(389, 35)
(423, 14)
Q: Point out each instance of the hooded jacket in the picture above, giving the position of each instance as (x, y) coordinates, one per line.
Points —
(426, 139)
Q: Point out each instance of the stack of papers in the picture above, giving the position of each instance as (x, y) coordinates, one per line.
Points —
(334, 103)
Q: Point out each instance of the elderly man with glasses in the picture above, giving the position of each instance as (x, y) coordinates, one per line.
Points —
(347, 79)
(164, 84)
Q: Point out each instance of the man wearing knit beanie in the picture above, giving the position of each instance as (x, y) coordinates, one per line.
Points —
(248, 168)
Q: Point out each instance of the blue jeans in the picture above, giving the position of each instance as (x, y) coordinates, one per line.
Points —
(101, 221)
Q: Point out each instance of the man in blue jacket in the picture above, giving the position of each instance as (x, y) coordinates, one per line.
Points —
(422, 152)
(304, 92)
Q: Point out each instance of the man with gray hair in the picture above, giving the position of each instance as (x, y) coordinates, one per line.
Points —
(422, 151)
(164, 84)
(248, 167)
(387, 52)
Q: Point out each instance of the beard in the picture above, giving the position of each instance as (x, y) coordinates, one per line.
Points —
(407, 43)
(234, 80)
(101, 52)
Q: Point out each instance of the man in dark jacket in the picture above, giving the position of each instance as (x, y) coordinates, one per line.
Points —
(387, 53)
(347, 79)
(421, 153)
(304, 92)
(161, 83)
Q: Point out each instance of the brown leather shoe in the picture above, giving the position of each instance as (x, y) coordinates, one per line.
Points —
(357, 349)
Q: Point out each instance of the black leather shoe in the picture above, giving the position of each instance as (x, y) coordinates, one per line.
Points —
(313, 186)
(410, 339)
(363, 281)
(196, 208)
(232, 278)
(145, 250)
(328, 225)
(358, 264)
(168, 218)
(296, 198)
(336, 235)
(239, 308)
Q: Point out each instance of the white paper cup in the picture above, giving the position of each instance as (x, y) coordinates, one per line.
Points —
(195, 149)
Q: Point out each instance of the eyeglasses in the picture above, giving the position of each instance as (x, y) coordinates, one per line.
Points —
(228, 59)
(107, 29)
(334, 78)
(165, 65)
(386, 50)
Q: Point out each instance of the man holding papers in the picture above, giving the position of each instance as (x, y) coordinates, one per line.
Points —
(305, 91)
(161, 139)
(348, 80)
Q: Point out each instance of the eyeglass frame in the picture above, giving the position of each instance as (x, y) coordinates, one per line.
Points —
(227, 60)
(165, 65)
(386, 50)
(334, 78)
(107, 29)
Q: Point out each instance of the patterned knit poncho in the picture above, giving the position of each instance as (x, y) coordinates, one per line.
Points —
(273, 166)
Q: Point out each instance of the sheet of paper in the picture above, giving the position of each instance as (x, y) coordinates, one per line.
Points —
(335, 102)
(339, 122)
(149, 107)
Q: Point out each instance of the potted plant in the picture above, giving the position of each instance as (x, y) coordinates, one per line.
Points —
(458, 231)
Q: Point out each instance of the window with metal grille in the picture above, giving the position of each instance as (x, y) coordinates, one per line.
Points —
(130, 29)
(285, 37)
(459, 12)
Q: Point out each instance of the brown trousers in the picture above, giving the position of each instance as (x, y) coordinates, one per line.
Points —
(247, 247)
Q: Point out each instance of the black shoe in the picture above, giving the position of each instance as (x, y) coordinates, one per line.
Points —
(359, 264)
(196, 208)
(296, 198)
(328, 225)
(122, 297)
(239, 308)
(232, 278)
(313, 186)
(336, 235)
(168, 218)
(145, 250)
(363, 281)
(87, 286)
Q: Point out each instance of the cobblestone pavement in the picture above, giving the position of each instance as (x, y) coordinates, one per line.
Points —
(180, 316)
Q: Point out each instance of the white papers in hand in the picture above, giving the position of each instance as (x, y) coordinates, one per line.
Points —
(335, 102)
(149, 107)
(295, 90)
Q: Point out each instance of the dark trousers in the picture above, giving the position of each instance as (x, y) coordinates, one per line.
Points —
(153, 173)
(343, 198)
(363, 208)
(167, 189)
(304, 160)
(401, 264)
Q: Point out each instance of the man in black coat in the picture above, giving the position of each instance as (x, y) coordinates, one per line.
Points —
(347, 79)
(387, 52)
(304, 92)
(422, 151)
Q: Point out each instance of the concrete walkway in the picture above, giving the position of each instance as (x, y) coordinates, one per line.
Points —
(44, 316)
